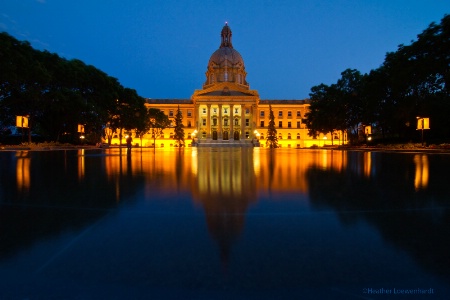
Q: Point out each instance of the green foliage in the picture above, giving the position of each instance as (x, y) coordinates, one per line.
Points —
(413, 81)
(158, 122)
(58, 94)
(178, 130)
(272, 139)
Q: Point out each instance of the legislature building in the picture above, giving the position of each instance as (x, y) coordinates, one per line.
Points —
(226, 112)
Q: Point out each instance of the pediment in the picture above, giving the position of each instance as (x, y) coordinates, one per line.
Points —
(226, 89)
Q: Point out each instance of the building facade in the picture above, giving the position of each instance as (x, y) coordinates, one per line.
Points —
(226, 112)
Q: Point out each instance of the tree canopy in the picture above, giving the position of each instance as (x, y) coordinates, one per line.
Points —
(412, 82)
(58, 94)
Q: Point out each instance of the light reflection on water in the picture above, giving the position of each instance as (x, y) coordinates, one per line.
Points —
(301, 222)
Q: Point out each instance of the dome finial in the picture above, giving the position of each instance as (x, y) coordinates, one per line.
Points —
(226, 36)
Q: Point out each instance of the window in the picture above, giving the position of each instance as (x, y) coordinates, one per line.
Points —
(261, 114)
(236, 110)
(262, 124)
(261, 137)
(247, 111)
(189, 124)
(171, 135)
(298, 113)
(215, 110)
(204, 111)
(236, 122)
(189, 113)
(247, 122)
(298, 136)
(280, 124)
(280, 136)
(298, 124)
(204, 122)
(247, 134)
(225, 122)
(289, 136)
(170, 113)
(214, 122)
(280, 114)
(289, 114)
(289, 124)
(225, 110)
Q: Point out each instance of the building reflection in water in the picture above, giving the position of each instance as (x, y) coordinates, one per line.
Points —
(422, 171)
(225, 186)
(23, 171)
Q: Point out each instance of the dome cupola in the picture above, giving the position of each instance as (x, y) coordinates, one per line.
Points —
(226, 64)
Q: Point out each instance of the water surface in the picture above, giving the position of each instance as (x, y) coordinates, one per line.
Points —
(224, 223)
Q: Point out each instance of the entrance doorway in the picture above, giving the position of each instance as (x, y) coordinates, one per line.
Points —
(225, 135)
(214, 135)
(236, 135)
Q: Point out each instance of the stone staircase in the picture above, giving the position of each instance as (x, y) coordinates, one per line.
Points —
(225, 143)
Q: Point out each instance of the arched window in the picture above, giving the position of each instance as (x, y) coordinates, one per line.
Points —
(289, 136)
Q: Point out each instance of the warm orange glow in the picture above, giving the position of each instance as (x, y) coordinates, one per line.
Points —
(22, 121)
(367, 163)
(80, 164)
(422, 171)
(23, 170)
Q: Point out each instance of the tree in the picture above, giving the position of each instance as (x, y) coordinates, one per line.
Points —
(158, 122)
(178, 130)
(272, 139)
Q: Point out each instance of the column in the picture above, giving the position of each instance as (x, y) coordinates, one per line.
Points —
(242, 122)
(208, 121)
(231, 135)
(219, 136)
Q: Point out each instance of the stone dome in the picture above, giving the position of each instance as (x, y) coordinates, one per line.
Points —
(226, 63)
(226, 55)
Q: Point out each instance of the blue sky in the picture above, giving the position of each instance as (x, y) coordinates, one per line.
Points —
(161, 47)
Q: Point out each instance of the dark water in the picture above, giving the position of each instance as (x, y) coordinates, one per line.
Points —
(224, 223)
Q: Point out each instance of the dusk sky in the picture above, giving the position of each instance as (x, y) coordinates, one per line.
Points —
(161, 47)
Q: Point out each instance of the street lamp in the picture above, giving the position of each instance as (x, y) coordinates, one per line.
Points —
(423, 123)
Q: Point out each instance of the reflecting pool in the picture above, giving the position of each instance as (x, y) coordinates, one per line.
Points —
(221, 223)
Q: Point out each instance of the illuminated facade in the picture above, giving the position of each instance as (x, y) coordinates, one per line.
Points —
(226, 112)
